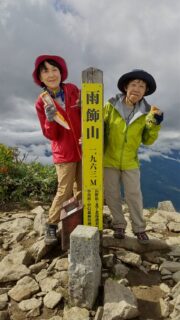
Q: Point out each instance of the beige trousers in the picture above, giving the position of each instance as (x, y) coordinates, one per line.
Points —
(69, 184)
(130, 179)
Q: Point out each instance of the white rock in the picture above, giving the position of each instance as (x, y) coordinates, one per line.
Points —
(52, 299)
(164, 307)
(30, 304)
(37, 210)
(48, 284)
(164, 287)
(17, 225)
(62, 264)
(76, 313)
(174, 226)
(166, 205)
(24, 289)
(128, 257)
(176, 276)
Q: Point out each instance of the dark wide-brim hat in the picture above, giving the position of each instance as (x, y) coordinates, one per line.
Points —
(140, 75)
(60, 61)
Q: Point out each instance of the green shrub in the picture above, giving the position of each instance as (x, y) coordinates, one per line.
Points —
(20, 180)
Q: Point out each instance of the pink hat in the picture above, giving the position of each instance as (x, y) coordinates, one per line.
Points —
(60, 61)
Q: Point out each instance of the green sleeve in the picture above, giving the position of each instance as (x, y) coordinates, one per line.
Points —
(150, 134)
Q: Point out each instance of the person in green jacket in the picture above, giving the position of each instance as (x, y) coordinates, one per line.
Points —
(129, 121)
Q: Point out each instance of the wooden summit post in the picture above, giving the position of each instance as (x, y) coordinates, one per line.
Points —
(92, 147)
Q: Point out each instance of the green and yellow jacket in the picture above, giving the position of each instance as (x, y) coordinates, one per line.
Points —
(121, 139)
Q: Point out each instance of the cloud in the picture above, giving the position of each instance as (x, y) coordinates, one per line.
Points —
(39, 153)
(165, 146)
(114, 36)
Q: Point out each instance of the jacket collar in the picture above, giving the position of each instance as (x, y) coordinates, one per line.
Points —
(143, 106)
(57, 94)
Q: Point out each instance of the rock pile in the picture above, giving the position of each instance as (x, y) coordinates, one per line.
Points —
(138, 281)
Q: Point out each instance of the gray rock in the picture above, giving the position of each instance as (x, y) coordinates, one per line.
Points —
(171, 266)
(120, 270)
(131, 244)
(108, 260)
(119, 302)
(39, 223)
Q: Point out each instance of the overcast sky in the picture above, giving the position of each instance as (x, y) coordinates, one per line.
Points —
(114, 36)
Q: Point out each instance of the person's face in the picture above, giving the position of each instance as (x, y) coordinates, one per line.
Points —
(135, 90)
(50, 76)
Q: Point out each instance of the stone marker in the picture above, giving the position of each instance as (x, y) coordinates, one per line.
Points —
(84, 266)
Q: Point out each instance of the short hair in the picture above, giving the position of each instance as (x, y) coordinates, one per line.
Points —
(42, 66)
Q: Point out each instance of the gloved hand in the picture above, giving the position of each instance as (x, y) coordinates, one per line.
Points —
(159, 117)
(50, 112)
(154, 117)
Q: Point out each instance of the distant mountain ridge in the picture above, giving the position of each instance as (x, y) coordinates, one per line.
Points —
(160, 179)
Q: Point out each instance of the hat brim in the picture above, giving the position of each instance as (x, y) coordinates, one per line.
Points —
(137, 74)
(60, 61)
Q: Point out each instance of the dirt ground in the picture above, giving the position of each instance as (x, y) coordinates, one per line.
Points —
(146, 289)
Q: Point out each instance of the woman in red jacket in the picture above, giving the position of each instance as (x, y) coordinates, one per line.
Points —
(59, 101)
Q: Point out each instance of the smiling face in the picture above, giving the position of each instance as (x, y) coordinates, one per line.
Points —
(135, 90)
(50, 75)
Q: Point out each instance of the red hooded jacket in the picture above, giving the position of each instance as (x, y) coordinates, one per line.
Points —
(64, 143)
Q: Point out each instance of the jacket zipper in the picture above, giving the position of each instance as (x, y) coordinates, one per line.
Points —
(124, 141)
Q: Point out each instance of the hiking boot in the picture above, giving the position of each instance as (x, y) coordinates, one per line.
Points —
(119, 233)
(50, 234)
(142, 237)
